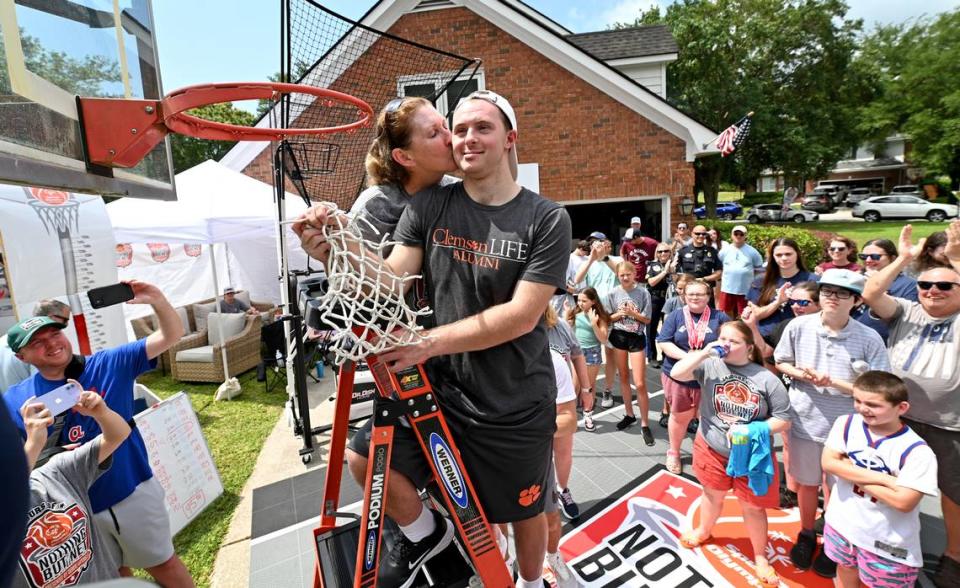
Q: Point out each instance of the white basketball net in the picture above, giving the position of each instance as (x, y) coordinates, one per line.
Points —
(363, 293)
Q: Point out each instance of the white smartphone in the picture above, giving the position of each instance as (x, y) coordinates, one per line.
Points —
(62, 399)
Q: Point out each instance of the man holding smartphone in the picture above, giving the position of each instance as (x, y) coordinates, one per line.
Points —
(127, 501)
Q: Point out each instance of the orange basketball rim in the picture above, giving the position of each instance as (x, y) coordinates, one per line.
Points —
(120, 132)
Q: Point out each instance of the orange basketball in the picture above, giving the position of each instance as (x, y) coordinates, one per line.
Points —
(51, 197)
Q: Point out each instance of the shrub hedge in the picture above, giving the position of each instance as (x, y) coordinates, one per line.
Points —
(759, 236)
(753, 198)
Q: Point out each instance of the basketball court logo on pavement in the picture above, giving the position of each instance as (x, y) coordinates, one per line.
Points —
(632, 539)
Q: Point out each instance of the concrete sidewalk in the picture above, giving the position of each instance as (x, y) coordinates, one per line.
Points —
(279, 459)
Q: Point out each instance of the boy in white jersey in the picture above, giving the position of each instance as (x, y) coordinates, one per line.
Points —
(882, 471)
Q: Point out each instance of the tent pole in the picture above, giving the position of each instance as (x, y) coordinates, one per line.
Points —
(219, 308)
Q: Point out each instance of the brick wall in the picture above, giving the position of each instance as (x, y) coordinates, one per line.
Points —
(588, 146)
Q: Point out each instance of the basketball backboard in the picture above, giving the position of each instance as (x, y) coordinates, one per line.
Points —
(52, 51)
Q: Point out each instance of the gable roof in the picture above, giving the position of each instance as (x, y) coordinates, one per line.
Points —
(553, 42)
(625, 43)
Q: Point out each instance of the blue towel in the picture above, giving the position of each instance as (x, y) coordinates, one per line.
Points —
(754, 459)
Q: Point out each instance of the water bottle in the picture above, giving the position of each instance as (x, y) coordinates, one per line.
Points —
(720, 351)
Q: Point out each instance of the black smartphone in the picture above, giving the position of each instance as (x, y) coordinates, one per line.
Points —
(110, 295)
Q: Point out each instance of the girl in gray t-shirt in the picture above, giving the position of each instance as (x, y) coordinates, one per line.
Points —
(629, 308)
(736, 390)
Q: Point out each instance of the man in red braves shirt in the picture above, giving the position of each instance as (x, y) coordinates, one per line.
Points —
(638, 249)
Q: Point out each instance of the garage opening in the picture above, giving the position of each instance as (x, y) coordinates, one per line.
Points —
(613, 218)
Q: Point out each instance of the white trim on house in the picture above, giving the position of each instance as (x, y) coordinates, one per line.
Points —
(647, 59)
(547, 39)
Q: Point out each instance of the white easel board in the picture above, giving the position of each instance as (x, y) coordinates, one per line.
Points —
(180, 458)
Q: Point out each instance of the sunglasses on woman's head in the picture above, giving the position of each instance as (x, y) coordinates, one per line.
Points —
(394, 105)
(942, 286)
(801, 303)
(871, 256)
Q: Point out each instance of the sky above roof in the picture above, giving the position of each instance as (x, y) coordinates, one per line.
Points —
(215, 40)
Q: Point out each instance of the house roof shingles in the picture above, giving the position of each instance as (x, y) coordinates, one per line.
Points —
(625, 43)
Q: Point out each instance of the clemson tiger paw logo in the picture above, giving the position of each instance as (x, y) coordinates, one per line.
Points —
(529, 495)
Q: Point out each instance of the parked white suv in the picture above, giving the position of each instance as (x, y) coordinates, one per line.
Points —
(903, 206)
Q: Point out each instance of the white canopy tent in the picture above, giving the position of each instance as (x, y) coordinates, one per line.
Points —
(215, 206)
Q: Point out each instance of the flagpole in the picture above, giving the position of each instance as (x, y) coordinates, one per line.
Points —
(714, 140)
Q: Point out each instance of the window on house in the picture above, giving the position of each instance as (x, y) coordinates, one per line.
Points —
(423, 85)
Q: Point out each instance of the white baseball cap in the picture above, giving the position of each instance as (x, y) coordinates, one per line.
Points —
(636, 221)
(504, 106)
(740, 228)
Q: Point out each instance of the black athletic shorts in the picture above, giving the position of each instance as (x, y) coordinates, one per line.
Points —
(626, 341)
(507, 464)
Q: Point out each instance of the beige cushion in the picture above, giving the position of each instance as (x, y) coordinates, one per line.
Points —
(244, 296)
(232, 325)
(196, 355)
(185, 319)
(200, 312)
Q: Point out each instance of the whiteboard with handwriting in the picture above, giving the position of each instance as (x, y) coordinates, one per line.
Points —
(180, 458)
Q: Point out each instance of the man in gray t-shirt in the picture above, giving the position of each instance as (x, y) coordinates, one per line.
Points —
(823, 353)
(230, 304)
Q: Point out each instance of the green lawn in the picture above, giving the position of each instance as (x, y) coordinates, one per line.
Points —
(235, 431)
(862, 232)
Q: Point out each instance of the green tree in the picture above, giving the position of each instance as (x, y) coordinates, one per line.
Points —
(917, 65)
(190, 151)
(299, 69)
(791, 62)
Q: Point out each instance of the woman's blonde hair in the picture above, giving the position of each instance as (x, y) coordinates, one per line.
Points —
(550, 317)
(394, 129)
(626, 265)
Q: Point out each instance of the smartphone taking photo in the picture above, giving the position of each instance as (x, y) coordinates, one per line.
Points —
(62, 399)
(110, 295)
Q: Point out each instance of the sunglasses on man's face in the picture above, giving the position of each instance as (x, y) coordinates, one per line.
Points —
(871, 256)
(682, 227)
(844, 248)
(800, 302)
(663, 251)
(699, 234)
(739, 234)
(942, 286)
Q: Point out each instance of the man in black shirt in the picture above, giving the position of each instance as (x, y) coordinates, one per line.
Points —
(699, 259)
(658, 284)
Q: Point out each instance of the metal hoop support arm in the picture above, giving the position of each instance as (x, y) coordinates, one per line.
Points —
(119, 133)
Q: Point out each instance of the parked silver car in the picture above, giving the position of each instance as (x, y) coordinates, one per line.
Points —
(906, 189)
(857, 194)
(773, 213)
(901, 206)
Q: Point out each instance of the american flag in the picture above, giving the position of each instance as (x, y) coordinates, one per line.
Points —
(730, 139)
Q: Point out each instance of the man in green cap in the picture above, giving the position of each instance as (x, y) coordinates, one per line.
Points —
(127, 500)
